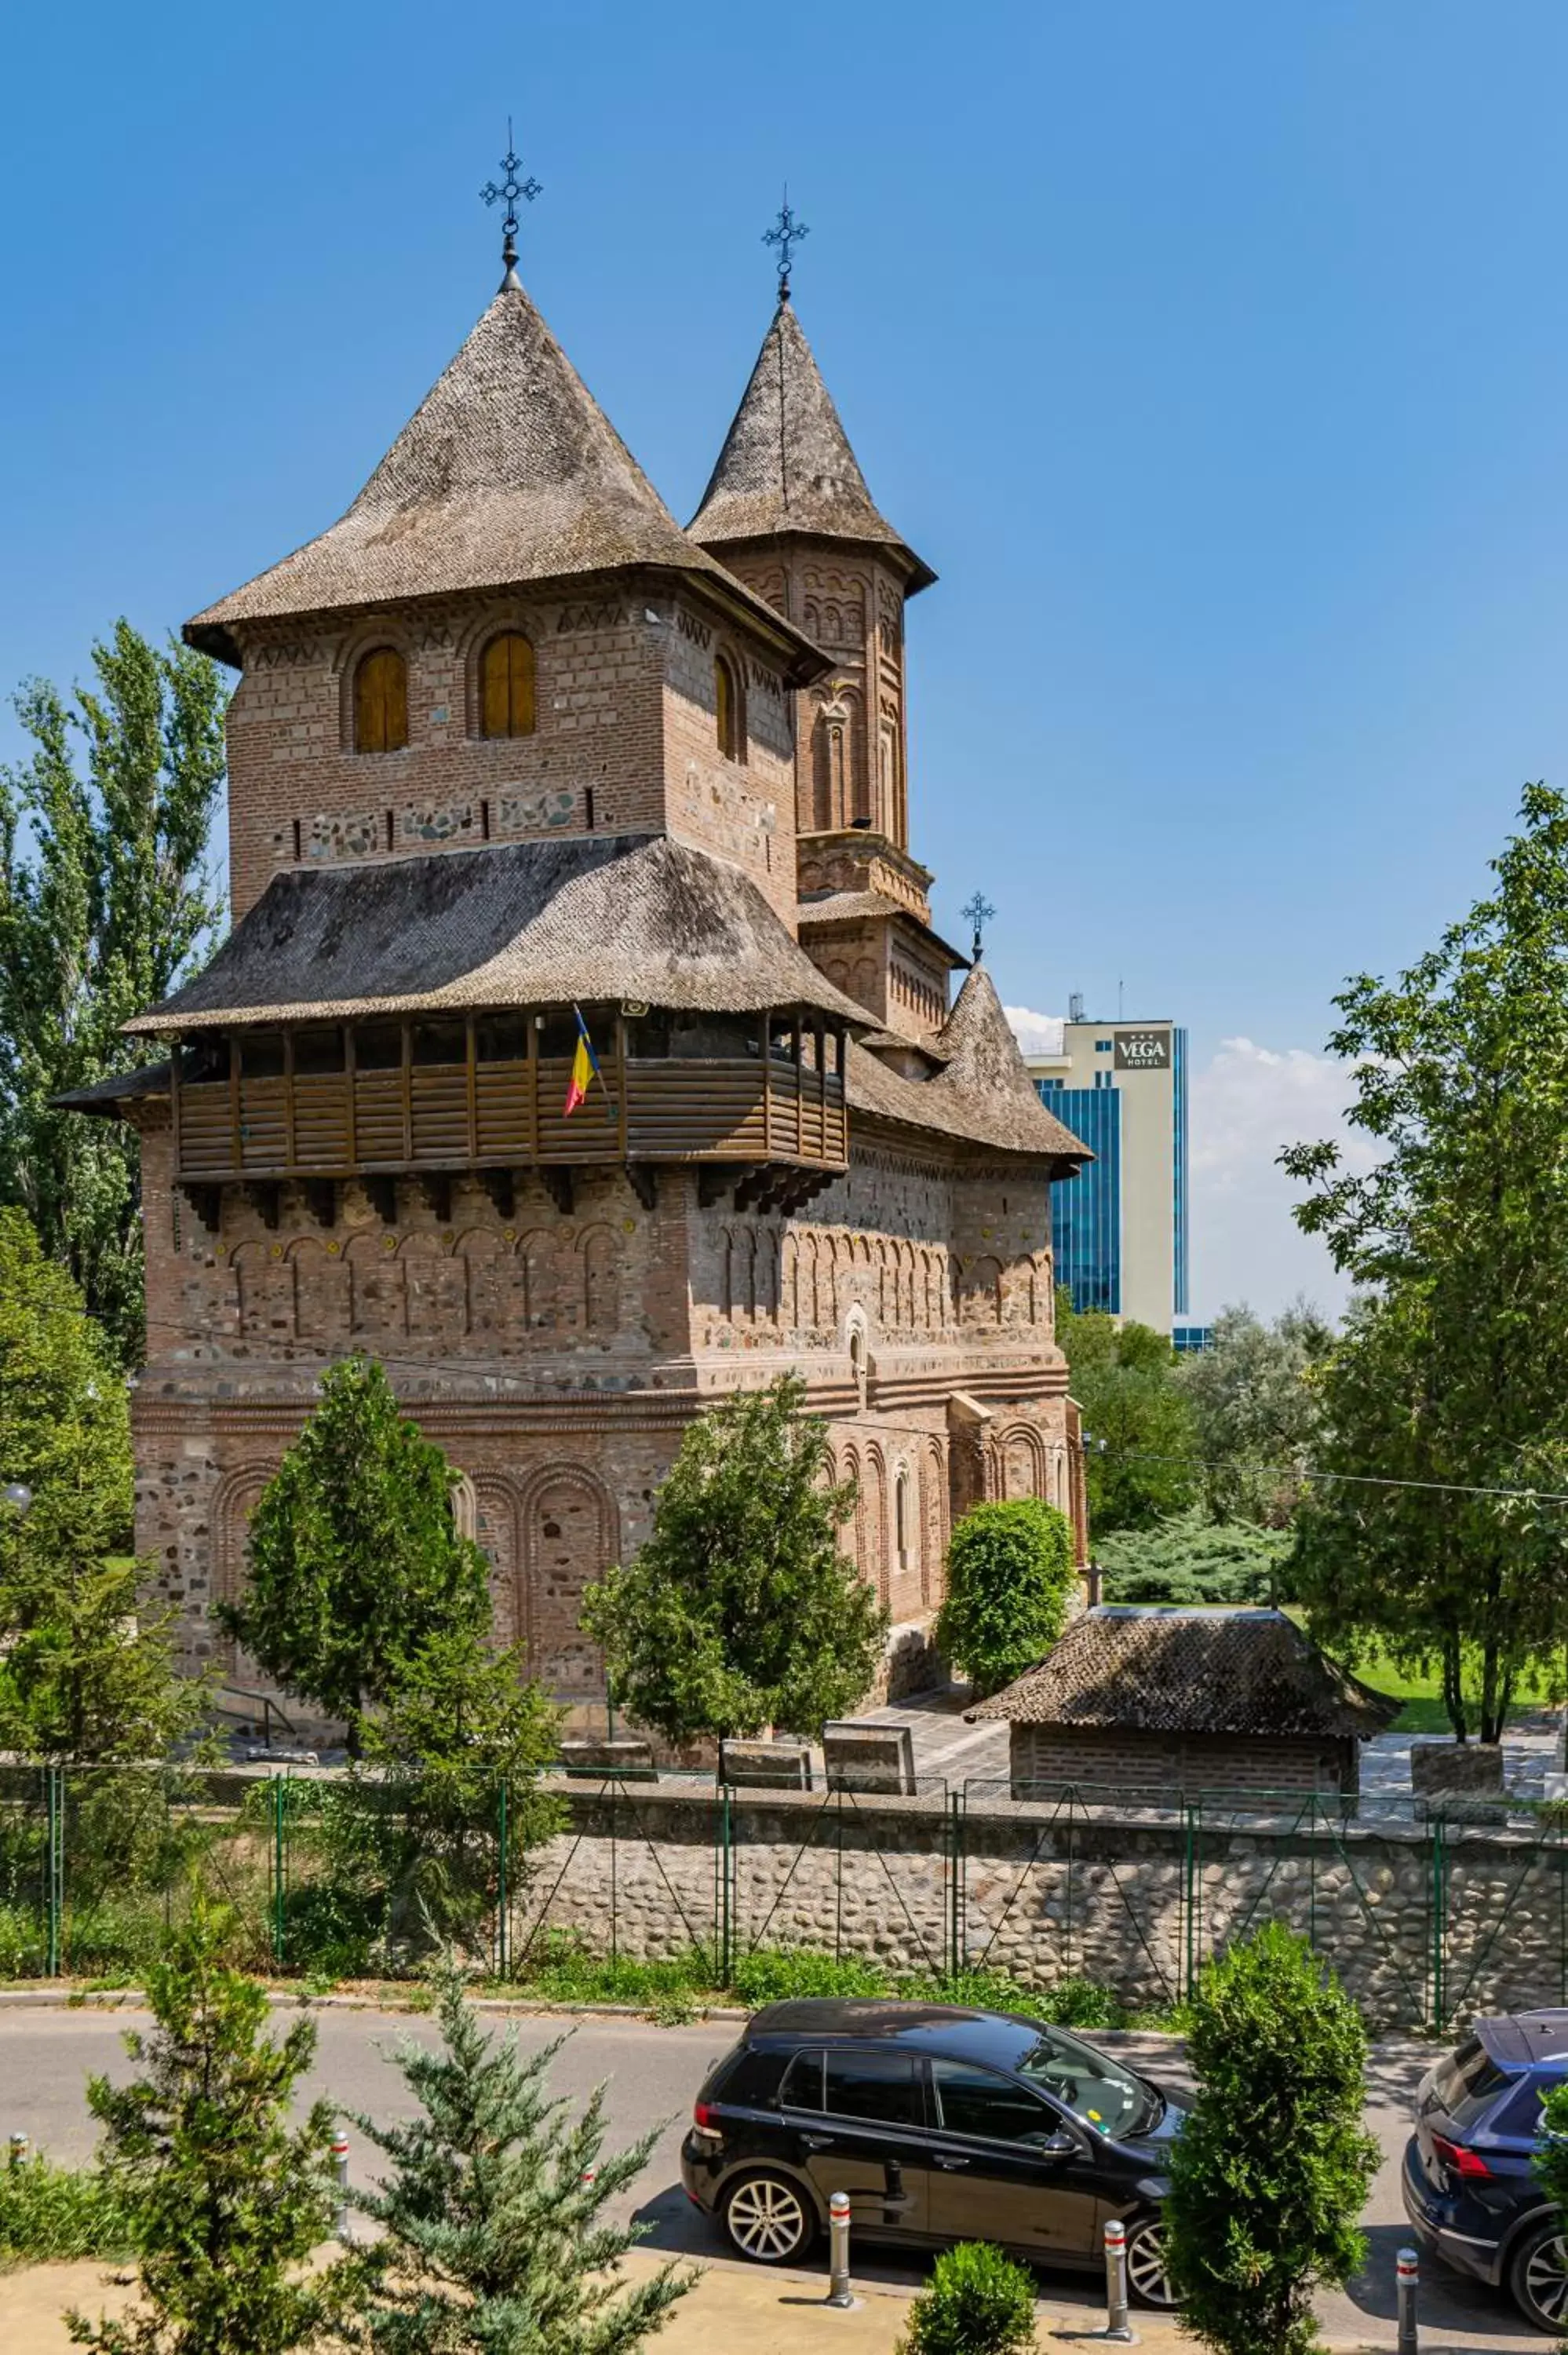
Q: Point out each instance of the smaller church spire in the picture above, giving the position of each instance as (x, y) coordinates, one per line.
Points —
(980, 912)
(786, 231)
(511, 188)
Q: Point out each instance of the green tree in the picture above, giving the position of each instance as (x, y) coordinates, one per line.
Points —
(460, 1723)
(1010, 1574)
(1272, 2169)
(226, 2199)
(977, 2302)
(741, 1611)
(1190, 1559)
(1141, 1445)
(1256, 1410)
(87, 1666)
(356, 1561)
(104, 905)
(1451, 1371)
(496, 2239)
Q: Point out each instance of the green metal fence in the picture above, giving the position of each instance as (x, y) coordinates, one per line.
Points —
(1135, 1891)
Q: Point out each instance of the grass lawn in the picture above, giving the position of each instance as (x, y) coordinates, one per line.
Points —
(1423, 1695)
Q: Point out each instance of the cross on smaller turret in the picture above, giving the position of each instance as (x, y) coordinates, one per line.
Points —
(787, 231)
(511, 188)
(980, 912)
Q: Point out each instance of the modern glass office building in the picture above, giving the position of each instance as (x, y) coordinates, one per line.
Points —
(1120, 1227)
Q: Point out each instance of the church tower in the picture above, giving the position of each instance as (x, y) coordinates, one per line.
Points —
(788, 511)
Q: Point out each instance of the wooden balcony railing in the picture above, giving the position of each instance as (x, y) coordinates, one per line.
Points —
(768, 1107)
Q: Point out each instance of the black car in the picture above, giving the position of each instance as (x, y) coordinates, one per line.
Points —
(942, 2124)
(1469, 2191)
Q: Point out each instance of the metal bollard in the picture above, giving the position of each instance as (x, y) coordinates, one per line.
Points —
(1408, 2281)
(1118, 2329)
(839, 2291)
(17, 2149)
(340, 2168)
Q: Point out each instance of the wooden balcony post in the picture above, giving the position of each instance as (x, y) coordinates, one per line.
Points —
(175, 1053)
(621, 1081)
(533, 1022)
(768, 1087)
(290, 1155)
(406, 1074)
(471, 1055)
(235, 1150)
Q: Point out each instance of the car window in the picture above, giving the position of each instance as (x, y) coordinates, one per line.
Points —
(971, 2100)
(1090, 2084)
(1468, 2083)
(876, 2085)
(1519, 2113)
(802, 2086)
(750, 2078)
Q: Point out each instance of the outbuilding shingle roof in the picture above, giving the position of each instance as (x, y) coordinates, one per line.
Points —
(509, 472)
(1181, 1671)
(585, 917)
(787, 464)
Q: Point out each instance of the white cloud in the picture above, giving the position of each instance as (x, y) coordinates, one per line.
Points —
(1247, 1104)
(1037, 1034)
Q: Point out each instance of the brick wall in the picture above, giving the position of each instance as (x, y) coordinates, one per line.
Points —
(1132, 1760)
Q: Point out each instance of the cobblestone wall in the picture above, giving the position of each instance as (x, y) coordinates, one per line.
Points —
(1420, 1929)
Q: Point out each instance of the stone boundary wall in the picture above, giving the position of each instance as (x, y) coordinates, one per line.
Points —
(1422, 1929)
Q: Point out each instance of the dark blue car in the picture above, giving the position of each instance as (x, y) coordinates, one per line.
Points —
(1469, 2190)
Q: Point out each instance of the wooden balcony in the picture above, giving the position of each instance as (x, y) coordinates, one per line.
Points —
(419, 1099)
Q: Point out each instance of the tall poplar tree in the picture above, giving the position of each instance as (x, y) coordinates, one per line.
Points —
(1451, 1382)
(105, 902)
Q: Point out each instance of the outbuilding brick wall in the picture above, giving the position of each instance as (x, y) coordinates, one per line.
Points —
(1130, 1760)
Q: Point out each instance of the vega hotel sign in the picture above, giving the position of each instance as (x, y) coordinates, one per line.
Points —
(1142, 1051)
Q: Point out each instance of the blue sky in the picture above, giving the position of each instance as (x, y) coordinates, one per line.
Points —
(1215, 355)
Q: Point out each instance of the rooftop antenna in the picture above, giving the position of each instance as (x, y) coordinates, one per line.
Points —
(1075, 1005)
(786, 232)
(1118, 996)
(511, 188)
(979, 911)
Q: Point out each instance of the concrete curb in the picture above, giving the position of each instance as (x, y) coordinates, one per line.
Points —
(70, 1998)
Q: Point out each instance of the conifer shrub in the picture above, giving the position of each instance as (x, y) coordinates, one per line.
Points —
(1270, 2173)
(979, 2302)
(49, 2214)
(1010, 1574)
(492, 2209)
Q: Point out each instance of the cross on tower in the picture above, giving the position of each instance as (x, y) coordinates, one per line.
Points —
(787, 231)
(511, 188)
(979, 912)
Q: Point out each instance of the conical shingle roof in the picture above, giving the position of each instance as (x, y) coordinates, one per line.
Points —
(508, 471)
(984, 1070)
(787, 464)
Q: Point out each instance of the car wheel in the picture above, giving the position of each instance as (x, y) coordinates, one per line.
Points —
(1146, 2276)
(768, 2218)
(1538, 2274)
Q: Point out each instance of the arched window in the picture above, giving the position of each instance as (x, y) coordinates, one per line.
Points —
(506, 686)
(381, 702)
(901, 1517)
(729, 709)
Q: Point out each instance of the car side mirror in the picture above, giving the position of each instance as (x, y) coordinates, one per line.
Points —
(1060, 2145)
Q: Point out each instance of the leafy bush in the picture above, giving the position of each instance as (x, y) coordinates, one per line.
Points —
(1271, 2171)
(49, 2214)
(979, 2302)
(1010, 1572)
(1191, 1560)
(769, 1977)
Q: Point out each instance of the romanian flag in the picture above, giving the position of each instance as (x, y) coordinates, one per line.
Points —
(585, 1066)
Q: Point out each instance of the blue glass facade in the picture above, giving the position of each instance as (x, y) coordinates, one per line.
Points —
(1086, 1211)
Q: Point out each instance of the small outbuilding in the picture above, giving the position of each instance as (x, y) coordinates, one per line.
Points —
(1158, 1700)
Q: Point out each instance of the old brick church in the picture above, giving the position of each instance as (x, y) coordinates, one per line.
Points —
(506, 743)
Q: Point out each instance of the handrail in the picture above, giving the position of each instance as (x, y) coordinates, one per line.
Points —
(270, 1709)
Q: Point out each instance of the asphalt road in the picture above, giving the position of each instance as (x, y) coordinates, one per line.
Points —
(653, 2072)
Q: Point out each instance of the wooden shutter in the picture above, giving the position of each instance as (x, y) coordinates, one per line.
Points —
(381, 702)
(506, 686)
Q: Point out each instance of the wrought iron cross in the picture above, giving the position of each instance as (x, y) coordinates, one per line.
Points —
(787, 231)
(511, 188)
(979, 912)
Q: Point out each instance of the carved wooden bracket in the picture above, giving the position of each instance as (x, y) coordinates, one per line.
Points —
(321, 1199)
(383, 1194)
(501, 1188)
(264, 1199)
(437, 1191)
(558, 1183)
(642, 1179)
